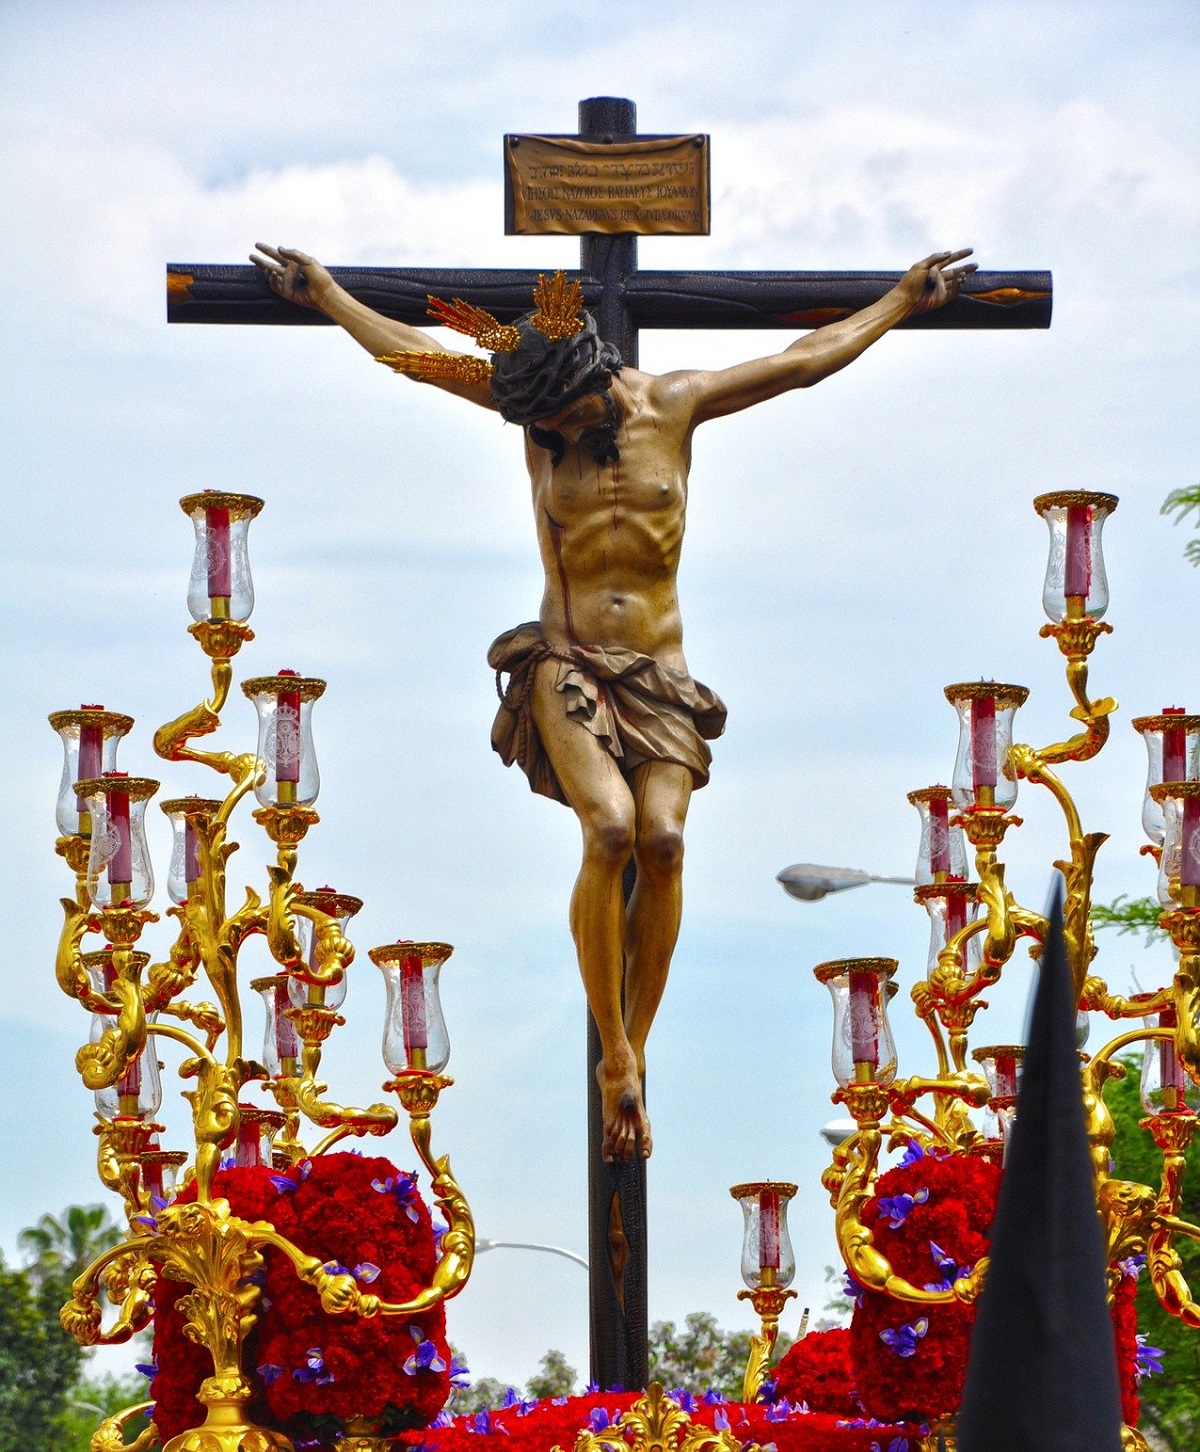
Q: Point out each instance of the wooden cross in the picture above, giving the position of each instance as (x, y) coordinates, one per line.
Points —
(623, 300)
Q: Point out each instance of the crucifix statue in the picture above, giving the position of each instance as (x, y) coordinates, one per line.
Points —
(599, 707)
(600, 710)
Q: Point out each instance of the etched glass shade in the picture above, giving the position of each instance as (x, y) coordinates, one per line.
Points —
(943, 850)
(863, 1048)
(184, 870)
(1172, 754)
(220, 586)
(951, 907)
(414, 1031)
(767, 1255)
(983, 775)
(257, 1129)
(1179, 865)
(120, 873)
(302, 988)
(1075, 584)
(90, 737)
(281, 1043)
(1166, 1087)
(288, 774)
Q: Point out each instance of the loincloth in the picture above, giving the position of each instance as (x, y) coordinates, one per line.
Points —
(636, 708)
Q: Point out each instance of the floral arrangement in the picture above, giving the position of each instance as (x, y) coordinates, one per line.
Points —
(313, 1372)
(931, 1216)
(542, 1426)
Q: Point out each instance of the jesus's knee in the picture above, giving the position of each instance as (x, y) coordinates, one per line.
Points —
(660, 849)
(608, 838)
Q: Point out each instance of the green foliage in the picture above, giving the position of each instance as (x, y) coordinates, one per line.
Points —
(1170, 1402)
(92, 1399)
(39, 1363)
(555, 1378)
(1131, 915)
(702, 1355)
(1181, 502)
(41, 1367)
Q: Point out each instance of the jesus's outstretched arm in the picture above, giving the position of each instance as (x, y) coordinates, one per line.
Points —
(301, 279)
(926, 285)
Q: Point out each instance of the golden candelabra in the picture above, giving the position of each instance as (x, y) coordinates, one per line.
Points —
(137, 1005)
(975, 928)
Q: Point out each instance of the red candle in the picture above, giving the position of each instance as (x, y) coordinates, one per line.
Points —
(864, 1034)
(120, 863)
(1170, 1070)
(216, 540)
(287, 734)
(1006, 1076)
(287, 1043)
(768, 1230)
(983, 742)
(412, 1008)
(152, 1173)
(956, 914)
(939, 835)
(191, 853)
(248, 1154)
(90, 757)
(1078, 580)
(1174, 748)
(1189, 861)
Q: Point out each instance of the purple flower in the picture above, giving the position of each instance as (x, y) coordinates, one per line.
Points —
(147, 1368)
(460, 1372)
(443, 1419)
(899, 1207)
(720, 1421)
(366, 1272)
(897, 1444)
(1149, 1360)
(903, 1341)
(778, 1411)
(851, 1288)
(157, 1203)
(912, 1154)
(150, 1220)
(285, 1184)
(559, 1401)
(269, 1372)
(1133, 1266)
(713, 1398)
(314, 1368)
(599, 1419)
(404, 1189)
(687, 1402)
(591, 1389)
(950, 1268)
(512, 1398)
(439, 1230)
(425, 1357)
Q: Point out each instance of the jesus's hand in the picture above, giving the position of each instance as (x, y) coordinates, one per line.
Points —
(934, 281)
(292, 274)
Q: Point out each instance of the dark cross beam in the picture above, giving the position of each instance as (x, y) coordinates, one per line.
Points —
(623, 300)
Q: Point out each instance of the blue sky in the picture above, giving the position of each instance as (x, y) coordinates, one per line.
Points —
(851, 550)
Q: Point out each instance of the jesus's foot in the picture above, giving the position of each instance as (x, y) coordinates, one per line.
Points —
(626, 1125)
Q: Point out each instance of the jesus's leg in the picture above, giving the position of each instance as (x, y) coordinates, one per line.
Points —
(661, 791)
(601, 799)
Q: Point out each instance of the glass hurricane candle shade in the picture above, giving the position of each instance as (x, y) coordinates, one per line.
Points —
(257, 1129)
(1166, 1087)
(1179, 866)
(767, 1255)
(220, 587)
(288, 774)
(951, 907)
(120, 873)
(138, 1093)
(1076, 584)
(1172, 754)
(90, 737)
(184, 813)
(982, 775)
(159, 1169)
(302, 989)
(943, 851)
(414, 1031)
(281, 1043)
(1001, 1065)
(863, 1048)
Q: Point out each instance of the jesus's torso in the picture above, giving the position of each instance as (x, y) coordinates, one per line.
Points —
(610, 534)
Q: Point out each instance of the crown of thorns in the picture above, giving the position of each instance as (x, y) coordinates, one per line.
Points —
(558, 314)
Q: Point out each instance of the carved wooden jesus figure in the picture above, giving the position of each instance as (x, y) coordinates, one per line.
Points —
(600, 710)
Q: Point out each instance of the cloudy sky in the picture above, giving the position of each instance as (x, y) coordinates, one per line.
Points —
(851, 550)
